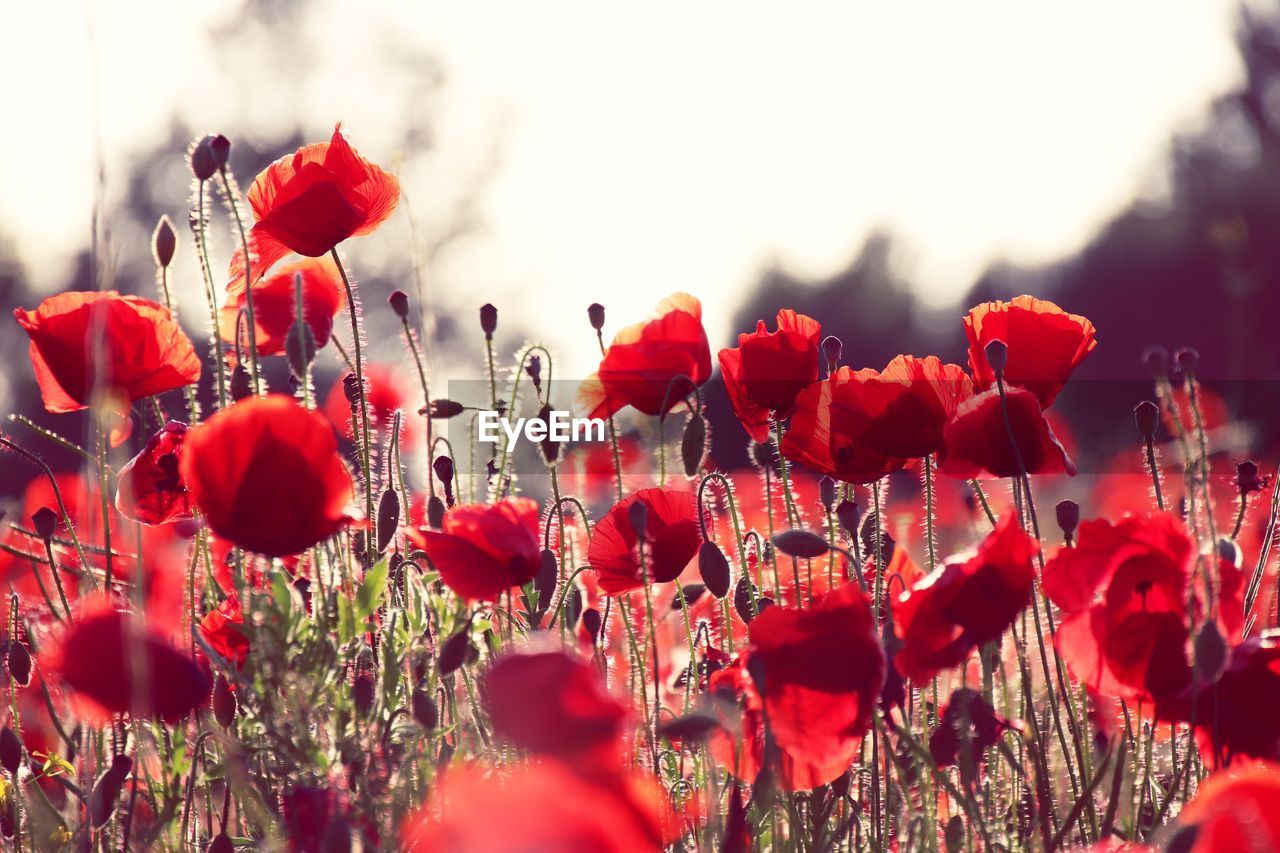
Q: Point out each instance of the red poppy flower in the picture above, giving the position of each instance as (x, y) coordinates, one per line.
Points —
(540, 806)
(386, 393)
(274, 311)
(825, 434)
(485, 549)
(965, 604)
(1123, 591)
(148, 488)
(967, 726)
(821, 671)
(641, 365)
(223, 629)
(105, 343)
(767, 370)
(552, 703)
(310, 201)
(977, 440)
(122, 667)
(672, 539)
(1045, 344)
(266, 475)
(1236, 810)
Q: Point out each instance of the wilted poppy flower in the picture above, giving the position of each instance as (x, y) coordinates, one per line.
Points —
(1123, 590)
(766, 371)
(962, 605)
(645, 359)
(123, 667)
(149, 488)
(1235, 810)
(820, 671)
(552, 703)
(485, 549)
(966, 727)
(672, 539)
(310, 201)
(540, 806)
(977, 440)
(274, 308)
(266, 475)
(1045, 344)
(104, 343)
(223, 629)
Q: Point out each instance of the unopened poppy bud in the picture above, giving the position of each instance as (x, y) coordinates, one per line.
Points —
(848, 513)
(221, 843)
(441, 409)
(693, 444)
(997, 352)
(45, 521)
(454, 651)
(1157, 361)
(688, 594)
(435, 512)
(800, 543)
(337, 838)
(1210, 653)
(743, 602)
(591, 621)
(638, 514)
(714, 569)
(388, 518)
(488, 320)
(1146, 415)
(241, 384)
(832, 348)
(224, 702)
(827, 492)
(399, 302)
(425, 712)
(1229, 551)
(1188, 359)
(595, 313)
(534, 368)
(203, 165)
(762, 452)
(573, 606)
(164, 242)
(1068, 519)
(351, 388)
(299, 348)
(1247, 479)
(105, 794)
(19, 662)
(550, 447)
(220, 148)
(363, 694)
(10, 751)
(443, 467)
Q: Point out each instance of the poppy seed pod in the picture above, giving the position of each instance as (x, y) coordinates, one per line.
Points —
(1146, 415)
(399, 302)
(997, 352)
(203, 165)
(714, 569)
(10, 751)
(827, 492)
(592, 622)
(832, 349)
(693, 444)
(1188, 359)
(224, 702)
(800, 543)
(488, 320)
(19, 662)
(595, 313)
(388, 518)
(425, 712)
(1068, 519)
(241, 385)
(1157, 361)
(638, 515)
(1247, 479)
(45, 522)
(164, 242)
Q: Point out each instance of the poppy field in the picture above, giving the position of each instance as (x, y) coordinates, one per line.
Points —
(268, 613)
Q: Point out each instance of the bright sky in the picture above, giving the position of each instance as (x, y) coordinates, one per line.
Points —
(665, 146)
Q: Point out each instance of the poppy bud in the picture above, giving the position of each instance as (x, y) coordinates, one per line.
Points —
(592, 622)
(488, 320)
(241, 386)
(363, 694)
(832, 347)
(573, 606)
(827, 492)
(388, 518)
(887, 542)
(997, 353)
(800, 543)
(221, 843)
(106, 791)
(10, 751)
(164, 242)
(1188, 359)
(1247, 479)
(691, 727)
(224, 702)
(1147, 418)
(1157, 361)
(442, 409)
(595, 313)
(840, 787)
(1229, 551)
(399, 302)
(545, 580)
(714, 569)
(444, 469)
(425, 712)
(693, 444)
(1210, 653)
(534, 369)
(689, 594)
(762, 452)
(454, 652)
(549, 446)
(638, 514)
(1068, 519)
(45, 521)
(202, 163)
(299, 348)
(351, 388)
(742, 600)
(435, 513)
(847, 512)
(19, 662)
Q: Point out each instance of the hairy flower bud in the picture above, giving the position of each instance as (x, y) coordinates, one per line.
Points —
(241, 383)
(224, 702)
(997, 353)
(19, 662)
(800, 543)
(638, 514)
(595, 313)
(488, 320)
(1146, 415)
(45, 522)
(832, 348)
(1188, 359)
(425, 712)
(1157, 361)
(693, 444)
(1068, 519)
(388, 518)
(399, 302)
(220, 148)
(714, 569)
(203, 166)
(164, 242)
(827, 492)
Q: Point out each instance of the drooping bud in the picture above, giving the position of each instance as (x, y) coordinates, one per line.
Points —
(595, 313)
(762, 453)
(224, 702)
(441, 409)
(222, 843)
(1210, 653)
(45, 522)
(1068, 519)
(549, 446)
(299, 348)
(638, 514)
(693, 444)
(203, 165)
(363, 694)
(997, 353)
(573, 605)
(800, 543)
(1188, 359)
(220, 148)
(351, 388)
(454, 651)
(443, 466)
(1157, 361)
(546, 578)
(19, 662)
(592, 622)
(435, 512)
(848, 513)
(106, 791)
(164, 242)
(743, 602)
(10, 751)
(337, 838)
(689, 594)
(832, 348)
(714, 569)
(241, 383)
(1146, 415)
(399, 302)
(488, 320)
(534, 368)
(425, 712)
(827, 492)
(388, 518)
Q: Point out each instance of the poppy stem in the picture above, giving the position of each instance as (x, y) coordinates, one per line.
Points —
(104, 489)
(930, 541)
(234, 203)
(199, 222)
(352, 309)
(426, 400)
(1154, 469)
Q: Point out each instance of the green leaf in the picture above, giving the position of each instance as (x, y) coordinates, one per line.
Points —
(369, 595)
(346, 620)
(280, 592)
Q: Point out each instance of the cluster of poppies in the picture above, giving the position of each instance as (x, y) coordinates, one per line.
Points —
(312, 624)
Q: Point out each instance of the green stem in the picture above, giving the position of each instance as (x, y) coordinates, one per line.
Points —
(364, 402)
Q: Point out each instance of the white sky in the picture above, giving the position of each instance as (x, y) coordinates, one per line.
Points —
(660, 146)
